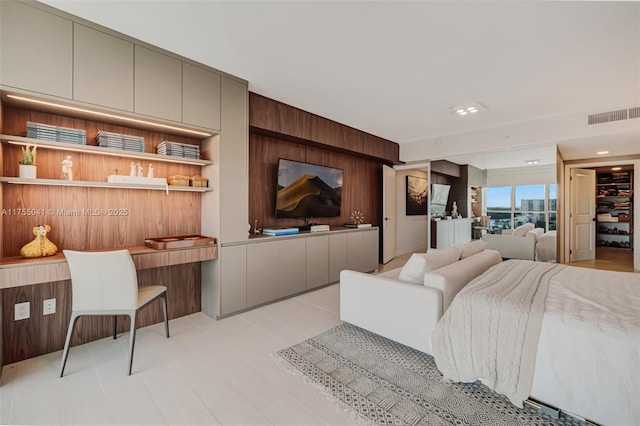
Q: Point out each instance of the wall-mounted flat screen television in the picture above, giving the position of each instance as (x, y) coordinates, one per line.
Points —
(307, 190)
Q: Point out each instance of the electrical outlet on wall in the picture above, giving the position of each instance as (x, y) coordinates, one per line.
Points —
(49, 306)
(21, 311)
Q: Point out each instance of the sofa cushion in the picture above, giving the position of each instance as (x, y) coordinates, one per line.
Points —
(421, 263)
(471, 248)
(522, 230)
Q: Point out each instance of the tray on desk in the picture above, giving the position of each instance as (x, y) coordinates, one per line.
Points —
(181, 241)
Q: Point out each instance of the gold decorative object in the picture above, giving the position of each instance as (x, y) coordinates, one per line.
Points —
(40, 246)
(357, 217)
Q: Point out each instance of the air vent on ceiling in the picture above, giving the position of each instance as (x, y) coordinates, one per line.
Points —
(606, 117)
(621, 114)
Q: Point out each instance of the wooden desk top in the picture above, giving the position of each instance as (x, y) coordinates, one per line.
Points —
(17, 271)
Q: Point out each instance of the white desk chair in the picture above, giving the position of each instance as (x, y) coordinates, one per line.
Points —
(105, 283)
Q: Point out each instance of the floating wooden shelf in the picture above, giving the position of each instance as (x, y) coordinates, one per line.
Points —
(90, 184)
(92, 149)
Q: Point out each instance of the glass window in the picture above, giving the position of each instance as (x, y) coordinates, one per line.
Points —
(499, 198)
(552, 221)
(512, 206)
(553, 197)
(499, 221)
(530, 198)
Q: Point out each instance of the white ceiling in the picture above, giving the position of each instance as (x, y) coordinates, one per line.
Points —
(395, 68)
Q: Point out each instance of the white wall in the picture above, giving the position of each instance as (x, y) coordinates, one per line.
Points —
(411, 231)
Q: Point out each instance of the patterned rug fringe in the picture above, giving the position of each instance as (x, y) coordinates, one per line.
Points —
(286, 365)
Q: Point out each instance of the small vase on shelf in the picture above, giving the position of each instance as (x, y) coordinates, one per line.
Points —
(27, 168)
(27, 171)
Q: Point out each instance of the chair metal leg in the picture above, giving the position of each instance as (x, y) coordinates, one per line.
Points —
(67, 342)
(115, 327)
(132, 339)
(166, 316)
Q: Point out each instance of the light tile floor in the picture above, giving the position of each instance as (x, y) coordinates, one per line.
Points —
(209, 372)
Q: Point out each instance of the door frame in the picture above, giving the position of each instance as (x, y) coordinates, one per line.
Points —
(566, 202)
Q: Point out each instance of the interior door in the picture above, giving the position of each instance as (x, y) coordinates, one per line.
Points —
(583, 215)
(388, 213)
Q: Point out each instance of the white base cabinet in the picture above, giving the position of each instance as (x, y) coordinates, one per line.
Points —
(267, 269)
(445, 233)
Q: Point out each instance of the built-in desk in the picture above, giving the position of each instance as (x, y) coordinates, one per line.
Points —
(36, 280)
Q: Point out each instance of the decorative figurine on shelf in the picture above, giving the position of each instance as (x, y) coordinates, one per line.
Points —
(357, 217)
(40, 246)
(454, 211)
(67, 168)
(140, 170)
(133, 169)
(150, 172)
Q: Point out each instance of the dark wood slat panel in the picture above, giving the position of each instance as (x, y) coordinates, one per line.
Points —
(270, 116)
(361, 186)
(44, 334)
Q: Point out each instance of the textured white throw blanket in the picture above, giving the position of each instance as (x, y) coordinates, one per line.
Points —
(491, 329)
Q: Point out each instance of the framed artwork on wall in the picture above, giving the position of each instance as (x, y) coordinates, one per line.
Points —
(417, 193)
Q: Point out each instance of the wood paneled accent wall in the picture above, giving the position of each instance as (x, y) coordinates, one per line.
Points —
(281, 131)
(149, 213)
(361, 188)
(286, 122)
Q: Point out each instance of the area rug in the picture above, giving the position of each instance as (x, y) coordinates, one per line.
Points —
(384, 382)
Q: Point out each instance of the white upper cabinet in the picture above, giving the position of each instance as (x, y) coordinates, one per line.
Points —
(35, 50)
(200, 97)
(103, 69)
(157, 85)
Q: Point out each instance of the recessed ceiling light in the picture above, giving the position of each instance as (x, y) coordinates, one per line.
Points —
(615, 169)
(532, 162)
(468, 108)
(602, 152)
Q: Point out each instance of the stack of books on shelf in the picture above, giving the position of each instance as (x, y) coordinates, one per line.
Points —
(48, 132)
(118, 141)
(176, 149)
(357, 225)
(280, 231)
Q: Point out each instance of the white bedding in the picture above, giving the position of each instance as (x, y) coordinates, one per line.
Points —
(588, 357)
(587, 360)
(491, 329)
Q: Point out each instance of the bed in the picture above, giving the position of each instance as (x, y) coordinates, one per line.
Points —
(566, 336)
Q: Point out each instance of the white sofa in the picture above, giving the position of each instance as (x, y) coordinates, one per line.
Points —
(519, 243)
(405, 311)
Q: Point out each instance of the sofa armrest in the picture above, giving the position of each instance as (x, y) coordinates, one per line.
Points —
(404, 312)
(511, 247)
(535, 233)
(454, 277)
